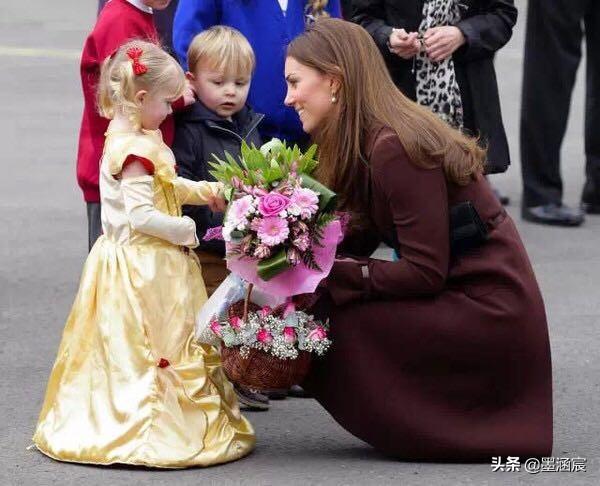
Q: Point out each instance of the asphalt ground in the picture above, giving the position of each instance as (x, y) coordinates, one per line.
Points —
(44, 244)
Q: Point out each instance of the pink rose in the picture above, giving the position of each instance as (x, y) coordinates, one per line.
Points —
(264, 336)
(289, 335)
(236, 322)
(317, 334)
(265, 311)
(216, 328)
(272, 204)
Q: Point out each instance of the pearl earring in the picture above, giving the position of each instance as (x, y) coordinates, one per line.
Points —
(333, 98)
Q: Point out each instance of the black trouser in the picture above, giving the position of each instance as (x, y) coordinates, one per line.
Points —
(94, 223)
(552, 53)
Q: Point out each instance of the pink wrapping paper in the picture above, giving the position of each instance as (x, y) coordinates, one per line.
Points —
(297, 280)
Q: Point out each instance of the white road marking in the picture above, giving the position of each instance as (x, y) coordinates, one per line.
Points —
(39, 52)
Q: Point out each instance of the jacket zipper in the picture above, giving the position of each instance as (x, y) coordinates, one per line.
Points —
(252, 128)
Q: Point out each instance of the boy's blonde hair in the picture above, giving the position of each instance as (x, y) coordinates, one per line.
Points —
(224, 48)
(119, 83)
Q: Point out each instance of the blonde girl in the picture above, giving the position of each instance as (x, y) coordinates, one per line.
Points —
(130, 385)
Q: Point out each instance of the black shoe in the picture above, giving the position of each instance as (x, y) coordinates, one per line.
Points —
(251, 399)
(276, 394)
(553, 214)
(590, 208)
(503, 198)
(298, 392)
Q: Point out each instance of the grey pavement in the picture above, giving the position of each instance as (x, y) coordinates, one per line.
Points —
(43, 247)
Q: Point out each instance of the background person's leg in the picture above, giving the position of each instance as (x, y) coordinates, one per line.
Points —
(552, 55)
(591, 191)
(94, 223)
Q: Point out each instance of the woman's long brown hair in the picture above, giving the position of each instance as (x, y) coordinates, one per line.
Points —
(367, 96)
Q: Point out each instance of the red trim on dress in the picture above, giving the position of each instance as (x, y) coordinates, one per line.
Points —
(147, 163)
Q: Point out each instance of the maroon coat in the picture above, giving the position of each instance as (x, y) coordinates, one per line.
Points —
(435, 357)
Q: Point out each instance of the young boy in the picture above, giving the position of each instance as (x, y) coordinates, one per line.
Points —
(221, 63)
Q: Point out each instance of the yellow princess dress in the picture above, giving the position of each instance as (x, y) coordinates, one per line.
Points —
(130, 384)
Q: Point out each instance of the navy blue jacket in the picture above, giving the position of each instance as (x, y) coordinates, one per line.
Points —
(200, 133)
(269, 32)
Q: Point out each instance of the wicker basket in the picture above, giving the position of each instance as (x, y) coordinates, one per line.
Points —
(261, 370)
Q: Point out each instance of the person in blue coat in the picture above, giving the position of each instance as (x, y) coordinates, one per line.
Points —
(269, 25)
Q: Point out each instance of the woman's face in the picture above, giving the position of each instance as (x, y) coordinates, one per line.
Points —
(309, 93)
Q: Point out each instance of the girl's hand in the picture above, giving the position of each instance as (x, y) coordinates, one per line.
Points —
(189, 95)
(441, 42)
(217, 204)
(403, 44)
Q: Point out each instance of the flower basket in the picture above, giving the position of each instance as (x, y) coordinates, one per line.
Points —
(262, 371)
(256, 368)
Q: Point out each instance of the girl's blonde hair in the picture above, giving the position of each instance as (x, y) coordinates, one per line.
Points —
(224, 49)
(368, 96)
(119, 83)
(316, 8)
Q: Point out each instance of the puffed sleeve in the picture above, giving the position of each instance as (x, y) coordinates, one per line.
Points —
(133, 148)
(418, 203)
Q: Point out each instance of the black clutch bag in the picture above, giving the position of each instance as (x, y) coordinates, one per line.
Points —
(467, 230)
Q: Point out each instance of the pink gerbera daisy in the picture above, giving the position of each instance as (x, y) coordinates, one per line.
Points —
(305, 202)
(273, 231)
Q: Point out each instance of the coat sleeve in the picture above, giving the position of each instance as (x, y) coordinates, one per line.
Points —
(487, 31)
(191, 18)
(370, 14)
(418, 203)
(188, 152)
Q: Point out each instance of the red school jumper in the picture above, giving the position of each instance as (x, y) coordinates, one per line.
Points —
(118, 22)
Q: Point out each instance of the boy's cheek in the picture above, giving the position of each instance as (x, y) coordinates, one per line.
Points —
(244, 95)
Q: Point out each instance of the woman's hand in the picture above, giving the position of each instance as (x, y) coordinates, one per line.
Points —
(189, 96)
(441, 42)
(403, 44)
(341, 259)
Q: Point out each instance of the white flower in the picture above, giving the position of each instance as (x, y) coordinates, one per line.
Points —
(273, 144)
(227, 230)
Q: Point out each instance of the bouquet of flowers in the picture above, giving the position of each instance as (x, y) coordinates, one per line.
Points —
(280, 228)
(281, 235)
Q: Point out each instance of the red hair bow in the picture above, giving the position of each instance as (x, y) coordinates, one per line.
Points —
(134, 53)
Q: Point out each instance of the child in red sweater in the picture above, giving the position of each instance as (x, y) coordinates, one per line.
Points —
(118, 22)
